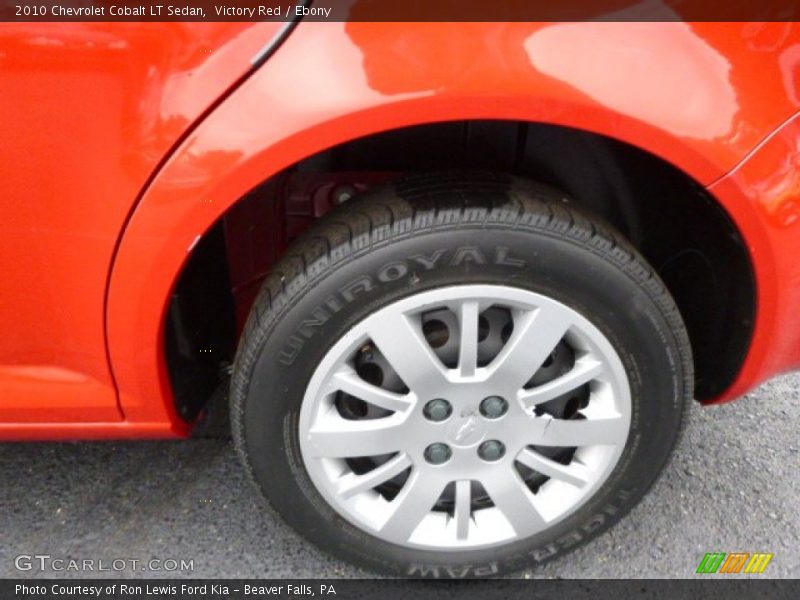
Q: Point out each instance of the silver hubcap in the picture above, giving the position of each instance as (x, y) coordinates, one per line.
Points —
(465, 417)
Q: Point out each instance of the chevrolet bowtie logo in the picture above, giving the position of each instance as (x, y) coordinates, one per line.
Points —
(467, 427)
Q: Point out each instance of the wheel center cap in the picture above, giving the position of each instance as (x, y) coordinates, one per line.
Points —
(467, 429)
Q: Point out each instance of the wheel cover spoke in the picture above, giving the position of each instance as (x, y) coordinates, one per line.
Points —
(575, 474)
(515, 501)
(408, 353)
(352, 484)
(457, 444)
(413, 503)
(590, 432)
(347, 380)
(468, 349)
(536, 335)
(583, 372)
(463, 508)
(339, 438)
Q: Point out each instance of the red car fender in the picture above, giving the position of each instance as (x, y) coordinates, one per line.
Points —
(763, 195)
(333, 82)
(91, 109)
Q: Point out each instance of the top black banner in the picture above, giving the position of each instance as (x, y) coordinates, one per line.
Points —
(398, 10)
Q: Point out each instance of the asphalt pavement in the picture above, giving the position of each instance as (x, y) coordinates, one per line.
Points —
(733, 485)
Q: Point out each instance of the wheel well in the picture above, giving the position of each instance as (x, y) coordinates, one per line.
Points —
(672, 220)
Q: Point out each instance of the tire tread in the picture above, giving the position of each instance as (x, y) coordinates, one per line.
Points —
(433, 202)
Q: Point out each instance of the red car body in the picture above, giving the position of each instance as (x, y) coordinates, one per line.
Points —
(123, 144)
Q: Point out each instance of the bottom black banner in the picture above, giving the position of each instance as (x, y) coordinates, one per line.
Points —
(343, 589)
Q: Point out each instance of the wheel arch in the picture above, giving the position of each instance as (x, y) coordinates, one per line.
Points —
(257, 133)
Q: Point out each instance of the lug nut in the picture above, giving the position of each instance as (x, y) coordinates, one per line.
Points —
(343, 193)
(437, 410)
(491, 450)
(438, 453)
(493, 407)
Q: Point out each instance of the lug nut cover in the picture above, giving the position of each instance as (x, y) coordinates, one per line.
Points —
(438, 453)
(493, 407)
(491, 450)
(437, 410)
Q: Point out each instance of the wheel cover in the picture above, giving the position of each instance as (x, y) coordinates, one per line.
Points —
(450, 484)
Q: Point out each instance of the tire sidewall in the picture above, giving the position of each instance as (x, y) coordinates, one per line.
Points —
(328, 299)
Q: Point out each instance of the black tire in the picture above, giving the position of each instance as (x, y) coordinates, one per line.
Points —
(519, 234)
